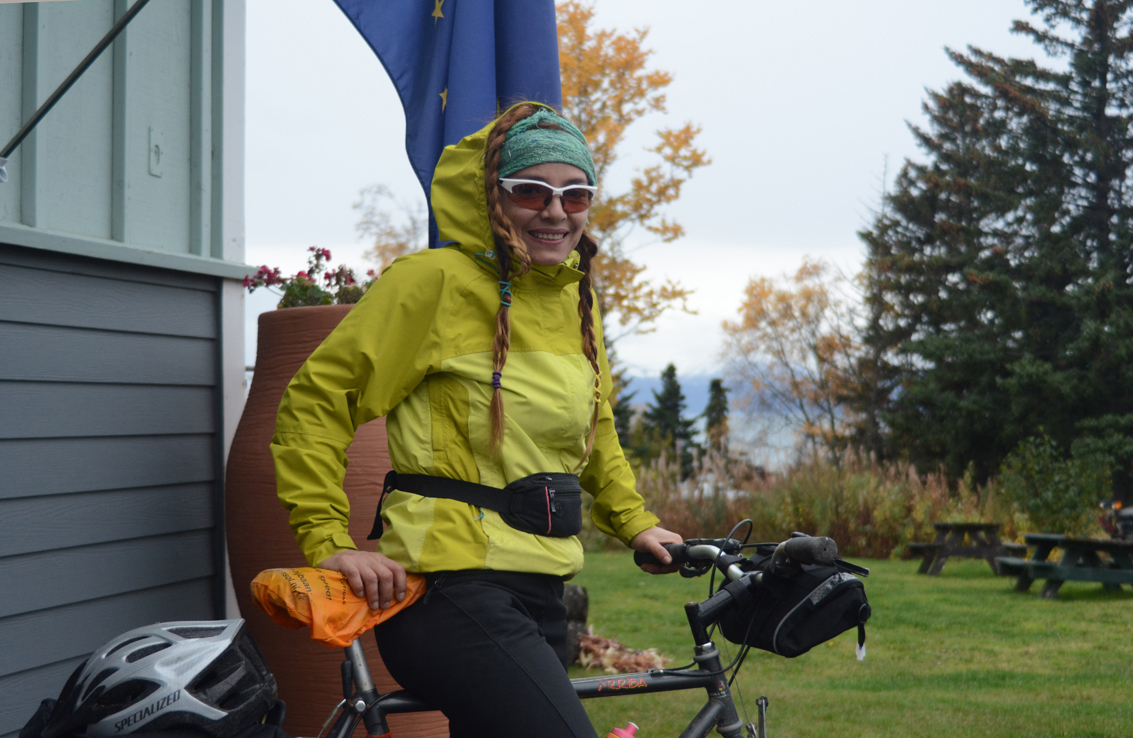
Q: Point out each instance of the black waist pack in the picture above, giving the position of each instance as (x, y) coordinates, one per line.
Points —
(546, 504)
(789, 615)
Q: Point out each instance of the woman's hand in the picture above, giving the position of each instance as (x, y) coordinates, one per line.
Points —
(650, 541)
(375, 577)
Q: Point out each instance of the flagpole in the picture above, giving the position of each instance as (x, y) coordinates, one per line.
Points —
(72, 78)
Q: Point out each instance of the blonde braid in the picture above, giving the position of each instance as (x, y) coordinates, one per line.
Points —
(508, 243)
(587, 249)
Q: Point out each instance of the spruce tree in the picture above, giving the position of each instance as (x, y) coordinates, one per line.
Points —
(664, 422)
(999, 271)
(716, 417)
(621, 401)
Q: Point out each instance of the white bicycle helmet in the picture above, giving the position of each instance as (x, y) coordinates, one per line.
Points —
(207, 675)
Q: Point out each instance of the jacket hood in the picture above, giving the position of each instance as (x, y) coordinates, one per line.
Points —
(460, 205)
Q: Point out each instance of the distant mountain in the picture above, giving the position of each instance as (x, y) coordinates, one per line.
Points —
(773, 451)
(693, 386)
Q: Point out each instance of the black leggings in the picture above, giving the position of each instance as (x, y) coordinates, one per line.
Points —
(489, 649)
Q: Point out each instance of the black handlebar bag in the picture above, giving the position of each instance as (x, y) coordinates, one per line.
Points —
(789, 615)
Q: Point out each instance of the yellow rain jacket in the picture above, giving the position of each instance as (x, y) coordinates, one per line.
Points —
(418, 349)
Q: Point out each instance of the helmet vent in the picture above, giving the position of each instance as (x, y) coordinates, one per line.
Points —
(126, 695)
(99, 678)
(197, 632)
(141, 653)
(123, 644)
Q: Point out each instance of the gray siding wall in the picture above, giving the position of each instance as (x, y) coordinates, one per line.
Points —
(110, 450)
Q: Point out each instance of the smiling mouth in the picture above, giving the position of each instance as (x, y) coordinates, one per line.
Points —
(547, 236)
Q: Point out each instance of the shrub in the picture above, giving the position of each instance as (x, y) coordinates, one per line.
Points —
(1057, 495)
(871, 509)
(705, 505)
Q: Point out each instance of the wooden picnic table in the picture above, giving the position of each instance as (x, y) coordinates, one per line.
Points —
(1081, 562)
(966, 540)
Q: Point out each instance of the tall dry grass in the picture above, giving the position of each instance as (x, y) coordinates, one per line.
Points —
(871, 509)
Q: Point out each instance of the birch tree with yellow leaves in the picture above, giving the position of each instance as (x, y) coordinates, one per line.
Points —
(793, 351)
(608, 87)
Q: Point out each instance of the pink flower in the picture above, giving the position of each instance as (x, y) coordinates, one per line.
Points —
(307, 279)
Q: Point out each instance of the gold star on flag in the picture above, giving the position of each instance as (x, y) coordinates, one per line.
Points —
(444, 99)
(437, 14)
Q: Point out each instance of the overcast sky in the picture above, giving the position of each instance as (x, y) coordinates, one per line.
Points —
(800, 103)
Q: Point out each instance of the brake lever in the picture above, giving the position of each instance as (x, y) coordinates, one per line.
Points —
(727, 545)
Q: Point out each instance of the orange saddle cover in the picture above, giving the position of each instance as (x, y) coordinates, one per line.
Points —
(322, 600)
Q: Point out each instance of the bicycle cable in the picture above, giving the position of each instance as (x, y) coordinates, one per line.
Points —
(737, 663)
(686, 667)
(743, 705)
(740, 659)
(727, 538)
(333, 715)
(712, 579)
(743, 651)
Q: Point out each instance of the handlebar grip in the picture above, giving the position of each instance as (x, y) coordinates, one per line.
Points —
(811, 550)
(676, 550)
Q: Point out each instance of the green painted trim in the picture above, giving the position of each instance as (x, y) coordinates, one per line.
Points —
(216, 209)
(97, 248)
(200, 128)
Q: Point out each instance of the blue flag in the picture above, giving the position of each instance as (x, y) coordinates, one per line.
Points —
(458, 63)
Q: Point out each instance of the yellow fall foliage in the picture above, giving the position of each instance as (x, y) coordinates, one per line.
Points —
(794, 348)
(606, 88)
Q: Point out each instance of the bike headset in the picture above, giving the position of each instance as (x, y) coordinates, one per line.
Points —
(204, 675)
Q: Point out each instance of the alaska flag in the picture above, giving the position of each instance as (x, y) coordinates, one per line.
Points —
(458, 63)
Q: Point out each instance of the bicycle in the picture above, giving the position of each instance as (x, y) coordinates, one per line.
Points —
(745, 575)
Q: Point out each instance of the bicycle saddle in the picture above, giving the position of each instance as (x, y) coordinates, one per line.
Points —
(322, 601)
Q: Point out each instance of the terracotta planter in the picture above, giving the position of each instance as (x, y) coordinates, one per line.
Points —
(259, 536)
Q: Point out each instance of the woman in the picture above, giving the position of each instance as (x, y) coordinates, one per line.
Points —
(486, 357)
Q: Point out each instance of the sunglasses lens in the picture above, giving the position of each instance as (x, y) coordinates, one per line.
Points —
(575, 201)
(536, 197)
(530, 196)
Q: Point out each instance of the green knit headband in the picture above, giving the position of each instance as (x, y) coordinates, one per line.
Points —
(531, 141)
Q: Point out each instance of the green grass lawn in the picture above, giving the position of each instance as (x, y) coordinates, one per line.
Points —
(960, 654)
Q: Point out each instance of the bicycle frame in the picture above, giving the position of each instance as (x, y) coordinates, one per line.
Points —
(719, 712)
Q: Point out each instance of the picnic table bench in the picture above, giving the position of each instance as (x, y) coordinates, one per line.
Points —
(1080, 562)
(966, 540)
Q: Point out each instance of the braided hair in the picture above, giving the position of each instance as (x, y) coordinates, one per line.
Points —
(509, 245)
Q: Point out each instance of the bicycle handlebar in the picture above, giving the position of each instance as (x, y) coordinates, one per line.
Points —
(676, 550)
(811, 550)
(800, 550)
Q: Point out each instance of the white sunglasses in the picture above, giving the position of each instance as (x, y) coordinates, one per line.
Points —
(531, 194)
